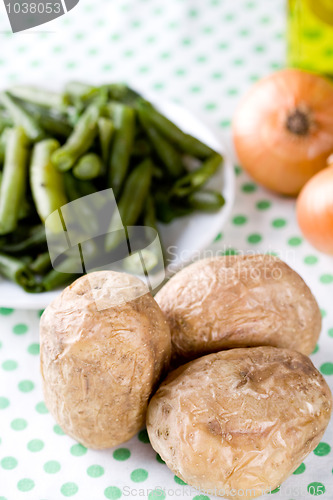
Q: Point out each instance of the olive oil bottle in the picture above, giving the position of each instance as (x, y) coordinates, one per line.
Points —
(310, 35)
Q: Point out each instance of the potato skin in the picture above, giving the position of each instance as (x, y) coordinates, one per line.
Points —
(99, 367)
(238, 301)
(239, 419)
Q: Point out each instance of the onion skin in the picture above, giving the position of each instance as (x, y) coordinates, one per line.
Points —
(315, 211)
(277, 158)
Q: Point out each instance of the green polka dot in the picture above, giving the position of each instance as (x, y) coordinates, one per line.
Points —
(225, 123)
(25, 484)
(143, 436)
(278, 223)
(249, 187)
(327, 368)
(157, 495)
(201, 497)
(9, 365)
(121, 454)
(326, 279)
(315, 350)
(19, 424)
(217, 75)
(8, 463)
(5, 311)
(276, 490)
(210, 106)
(330, 332)
(322, 450)
(95, 471)
(239, 220)
(52, 467)
(0, 344)
(58, 430)
(41, 408)
(310, 260)
(158, 85)
(300, 469)
(139, 475)
(238, 170)
(40, 312)
(159, 459)
(316, 489)
(263, 204)
(4, 402)
(323, 313)
(179, 481)
(33, 349)
(254, 238)
(26, 386)
(77, 450)
(69, 489)
(20, 328)
(193, 13)
(295, 241)
(35, 445)
(112, 492)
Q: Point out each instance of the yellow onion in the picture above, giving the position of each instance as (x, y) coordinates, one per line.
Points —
(283, 129)
(315, 210)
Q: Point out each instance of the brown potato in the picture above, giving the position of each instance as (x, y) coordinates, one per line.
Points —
(237, 420)
(100, 365)
(233, 301)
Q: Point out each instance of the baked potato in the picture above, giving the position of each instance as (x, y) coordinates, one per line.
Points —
(100, 364)
(240, 420)
(238, 301)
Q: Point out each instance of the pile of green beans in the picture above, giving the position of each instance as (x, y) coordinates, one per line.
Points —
(58, 147)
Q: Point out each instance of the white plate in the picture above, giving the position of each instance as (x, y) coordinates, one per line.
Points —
(188, 235)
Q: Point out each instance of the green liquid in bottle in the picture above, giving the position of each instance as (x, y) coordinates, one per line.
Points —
(310, 35)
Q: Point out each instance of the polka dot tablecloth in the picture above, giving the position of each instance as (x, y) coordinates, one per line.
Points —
(204, 55)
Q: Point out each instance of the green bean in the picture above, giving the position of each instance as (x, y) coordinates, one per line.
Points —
(18, 271)
(132, 201)
(141, 147)
(121, 92)
(194, 180)
(206, 200)
(41, 264)
(37, 238)
(88, 167)
(21, 118)
(124, 122)
(13, 183)
(166, 152)
(53, 279)
(149, 218)
(167, 211)
(171, 132)
(39, 96)
(46, 182)
(83, 213)
(26, 209)
(52, 121)
(78, 92)
(105, 132)
(79, 141)
(5, 121)
(3, 140)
